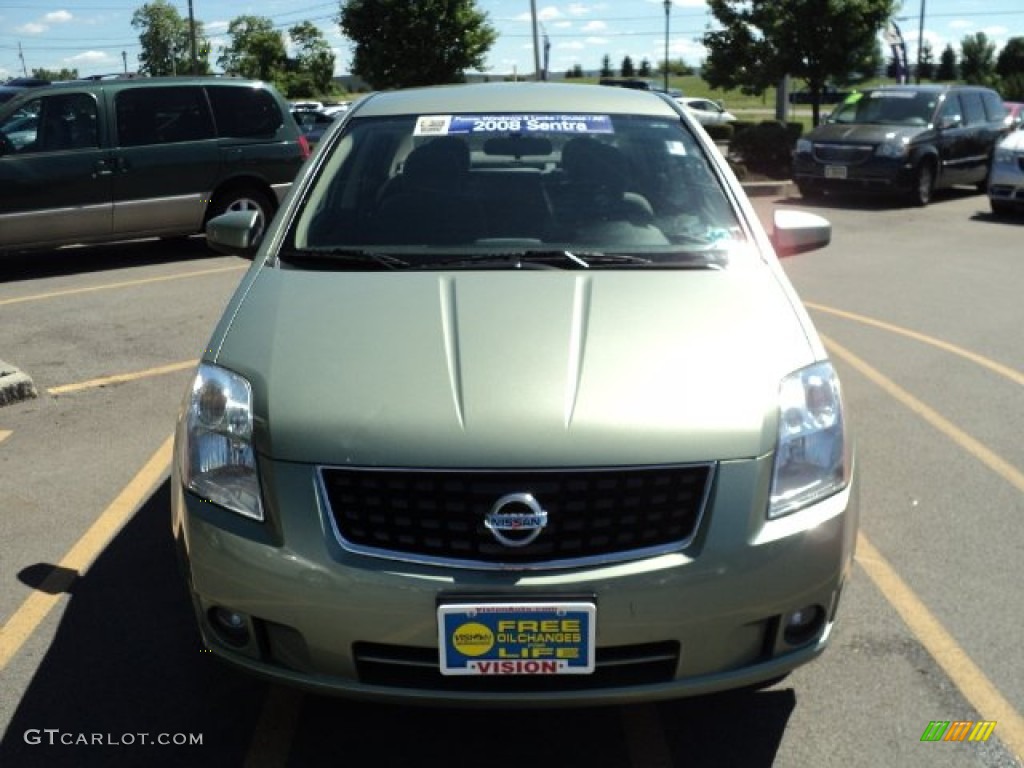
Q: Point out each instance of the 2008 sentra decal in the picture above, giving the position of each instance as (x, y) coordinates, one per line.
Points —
(444, 125)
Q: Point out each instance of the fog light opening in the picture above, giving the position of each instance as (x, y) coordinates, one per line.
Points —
(803, 625)
(231, 626)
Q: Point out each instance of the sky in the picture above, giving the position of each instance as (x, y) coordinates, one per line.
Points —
(96, 36)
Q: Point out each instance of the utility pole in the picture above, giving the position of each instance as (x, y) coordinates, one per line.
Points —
(192, 38)
(22, 57)
(124, 58)
(536, 42)
(920, 44)
(668, 7)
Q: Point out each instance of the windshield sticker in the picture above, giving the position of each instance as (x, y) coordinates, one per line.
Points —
(432, 125)
(893, 95)
(439, 125)
(675, 148)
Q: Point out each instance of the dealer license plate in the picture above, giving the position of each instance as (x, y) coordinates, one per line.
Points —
(535, 638)
(835, 171)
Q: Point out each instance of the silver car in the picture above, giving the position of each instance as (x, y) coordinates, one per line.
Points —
(1006, 177)
(516, 406)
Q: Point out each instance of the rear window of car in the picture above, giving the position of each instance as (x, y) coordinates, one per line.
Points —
(995, 110)
(162, 116)
(245, 112)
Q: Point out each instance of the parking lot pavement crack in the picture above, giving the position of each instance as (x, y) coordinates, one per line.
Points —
(15, 385)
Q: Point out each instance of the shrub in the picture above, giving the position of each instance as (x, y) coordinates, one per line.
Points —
(722, 132)
(767, 147)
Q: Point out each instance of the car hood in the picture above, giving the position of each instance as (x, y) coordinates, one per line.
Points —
(515, 369)
(864, 133)
(1014, 141)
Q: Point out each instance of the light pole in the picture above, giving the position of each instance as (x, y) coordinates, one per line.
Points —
(668, 7)
(920, 44)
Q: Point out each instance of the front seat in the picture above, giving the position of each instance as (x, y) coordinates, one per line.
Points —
(428, 203)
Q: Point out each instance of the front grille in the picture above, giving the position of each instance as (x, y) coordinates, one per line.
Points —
(406, 667)
(437, 516)
(846, 154)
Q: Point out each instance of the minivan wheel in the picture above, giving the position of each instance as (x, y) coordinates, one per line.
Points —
(924, 184)
(244, 199)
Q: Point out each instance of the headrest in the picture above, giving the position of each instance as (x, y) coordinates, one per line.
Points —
(439, 163)
(590, 161)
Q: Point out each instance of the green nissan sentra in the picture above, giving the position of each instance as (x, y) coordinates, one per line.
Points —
(515, 406)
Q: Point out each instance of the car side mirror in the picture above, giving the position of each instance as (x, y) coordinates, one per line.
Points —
(799, 231)
(949, 121)
(235, 233)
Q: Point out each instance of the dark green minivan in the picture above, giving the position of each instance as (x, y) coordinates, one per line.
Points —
(98, 160)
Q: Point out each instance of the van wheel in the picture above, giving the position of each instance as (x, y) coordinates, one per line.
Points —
(924, 184)
(244, 199)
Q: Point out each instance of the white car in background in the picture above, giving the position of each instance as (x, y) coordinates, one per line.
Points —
(706, 111)
(1006, 176)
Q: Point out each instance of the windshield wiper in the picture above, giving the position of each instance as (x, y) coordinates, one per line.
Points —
(340, 258)
(556, 258)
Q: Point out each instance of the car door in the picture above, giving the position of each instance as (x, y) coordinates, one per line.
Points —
(167, 159)
(953, 141)
(55, 177)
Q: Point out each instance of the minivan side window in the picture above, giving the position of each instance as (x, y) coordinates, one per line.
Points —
(244, 113)
(162, 116)
(994, 108)
(52, 124)
(973, 107)
(951, 115)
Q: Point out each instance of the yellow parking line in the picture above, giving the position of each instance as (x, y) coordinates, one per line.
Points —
(37, 606)
(123, 377)
(122, 284)
(976, 448)
(953, 660)
(1003, 370)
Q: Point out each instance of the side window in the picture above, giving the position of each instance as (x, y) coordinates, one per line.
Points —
(162, 116)
(245, 112)
(994, 109)
(951, 115)
(52, 124)
(974, 110)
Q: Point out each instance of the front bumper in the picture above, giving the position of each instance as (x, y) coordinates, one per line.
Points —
(876, 173)
(1006, 182)
(705, 619)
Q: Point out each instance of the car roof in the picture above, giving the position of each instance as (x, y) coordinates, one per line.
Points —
(503, 98)
(137, 82)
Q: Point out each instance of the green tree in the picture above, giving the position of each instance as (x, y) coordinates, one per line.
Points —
(758, 42)
(1011, 59)
(645, 68)
(628, 70)
(926, 67)
(55, 74)
(257, 49)
(166, 42)
(313, 55)
(606, 66)
(399, 43)
(947, 65)
(978, 60)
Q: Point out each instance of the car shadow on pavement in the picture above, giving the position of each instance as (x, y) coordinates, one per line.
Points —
(81, 259)
(867, 200)
(126, 660)
(125, 668)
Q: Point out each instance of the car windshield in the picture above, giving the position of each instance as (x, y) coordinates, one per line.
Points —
(885, 107)
(474, 191)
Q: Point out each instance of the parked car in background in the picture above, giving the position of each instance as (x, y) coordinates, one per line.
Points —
(89, 161)
(15, 86)
(1014, 114)
(313, 123)
(1006, 180)
(706, 111)
(906, 139)
(516, 404)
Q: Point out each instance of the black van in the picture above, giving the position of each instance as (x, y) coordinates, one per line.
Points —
(911, 139)
(90, 161)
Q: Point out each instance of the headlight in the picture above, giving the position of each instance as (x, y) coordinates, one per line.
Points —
(804, 146)
(892, 150)
(811, 458)
(218, 459)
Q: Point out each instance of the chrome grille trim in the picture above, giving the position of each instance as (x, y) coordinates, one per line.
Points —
(844, 154)
(702, 492)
